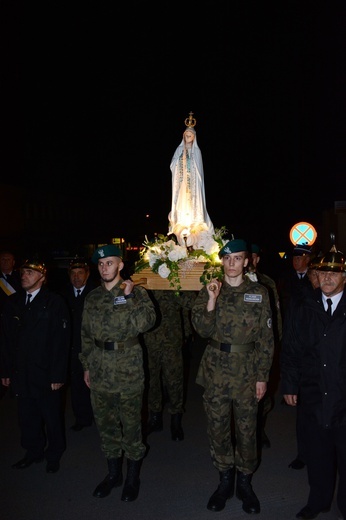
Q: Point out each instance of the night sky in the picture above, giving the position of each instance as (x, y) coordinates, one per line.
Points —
(95, 98)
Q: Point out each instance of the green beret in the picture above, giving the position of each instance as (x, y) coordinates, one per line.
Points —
(233, 246)
(255, 249)
(104, 251)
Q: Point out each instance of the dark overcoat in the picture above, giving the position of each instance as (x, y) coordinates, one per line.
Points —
(76, 306)
(34, 342)
(313, 359)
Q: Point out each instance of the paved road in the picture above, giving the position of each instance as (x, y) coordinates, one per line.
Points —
(177, 479)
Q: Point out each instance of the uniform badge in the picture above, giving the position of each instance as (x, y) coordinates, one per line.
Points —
(269, 323)
(119, 300)
(254, 298)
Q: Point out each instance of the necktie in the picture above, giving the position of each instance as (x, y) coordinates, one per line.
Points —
(78, 293)
(28, 298)
(330, 303)
(301, 275)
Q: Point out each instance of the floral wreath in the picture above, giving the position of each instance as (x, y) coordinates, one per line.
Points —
(165, 257)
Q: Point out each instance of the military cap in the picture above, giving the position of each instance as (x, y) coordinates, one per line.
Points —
(301, 250)
(104, 251)
(334, 261)
(35, 264)
(233, 246)
(78, 262)
(255, 249)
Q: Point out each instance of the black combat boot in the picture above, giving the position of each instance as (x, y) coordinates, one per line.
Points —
(112, 480)
(245, 493)
(224, 491)
(155, 423)
(177, 432)
(132, 482)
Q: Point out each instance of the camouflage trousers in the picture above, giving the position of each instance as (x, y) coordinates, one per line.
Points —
(166, 367)
(227, 447)
(118, 418)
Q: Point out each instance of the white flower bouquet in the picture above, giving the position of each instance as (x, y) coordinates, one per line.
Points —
(168, 259)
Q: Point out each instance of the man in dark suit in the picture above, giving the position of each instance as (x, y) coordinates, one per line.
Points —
(291, 287)
(9, 284)
(34, 348)
(313, 362)
(79, 285)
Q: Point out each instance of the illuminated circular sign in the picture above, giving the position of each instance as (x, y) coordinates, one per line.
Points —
(303, 233)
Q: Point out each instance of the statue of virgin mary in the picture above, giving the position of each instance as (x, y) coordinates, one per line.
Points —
(188, 216)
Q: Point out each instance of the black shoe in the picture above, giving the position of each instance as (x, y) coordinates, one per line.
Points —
(308, 514)
(246, 494)
(297, 464)
(26, 462)
(112, 480)
(224, 492)
(132, 482)
(78, 426)
(106, 486)
(130, 491)
(155, 423)
(177, 432)
(53, 467)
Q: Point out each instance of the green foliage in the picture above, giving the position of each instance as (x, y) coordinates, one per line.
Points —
(165, 257)
(211, 272)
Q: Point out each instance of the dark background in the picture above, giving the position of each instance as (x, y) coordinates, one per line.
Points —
(95, 94)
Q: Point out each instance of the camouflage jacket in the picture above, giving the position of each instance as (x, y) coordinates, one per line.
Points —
(172, 324)
(107, 316)
(242, 315)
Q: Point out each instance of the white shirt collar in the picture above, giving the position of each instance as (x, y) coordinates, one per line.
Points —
(81, 289)
(34, 293)
(335, 299)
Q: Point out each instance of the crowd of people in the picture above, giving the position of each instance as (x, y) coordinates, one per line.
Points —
(106, 338)
(119, 349)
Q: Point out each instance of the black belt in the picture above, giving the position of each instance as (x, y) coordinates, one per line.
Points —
(116, 345)
(227, 347)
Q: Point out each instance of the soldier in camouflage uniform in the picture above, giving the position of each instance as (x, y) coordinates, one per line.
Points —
(165, 358)
(267, 403)
(236, 317)
(114, 315)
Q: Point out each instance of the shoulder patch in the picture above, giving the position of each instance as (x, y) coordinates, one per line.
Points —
(256, 298)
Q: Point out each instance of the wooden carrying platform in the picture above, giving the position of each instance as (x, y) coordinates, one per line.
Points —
(189, 279)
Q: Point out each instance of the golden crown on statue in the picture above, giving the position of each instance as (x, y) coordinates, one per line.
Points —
(190, 122)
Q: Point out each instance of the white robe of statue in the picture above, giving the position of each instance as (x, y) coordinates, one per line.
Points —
(188, 215)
